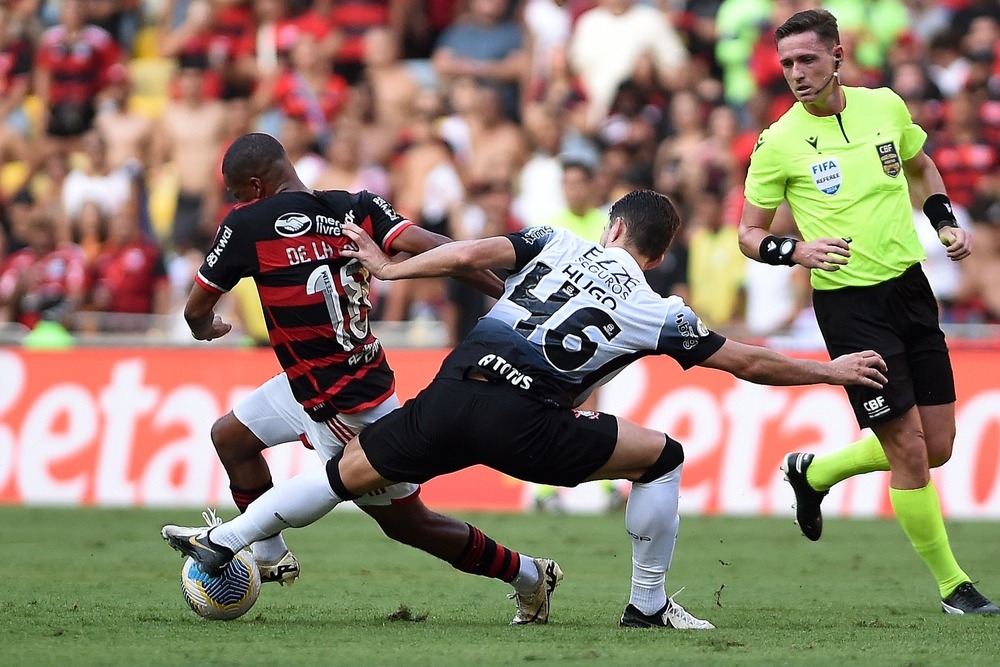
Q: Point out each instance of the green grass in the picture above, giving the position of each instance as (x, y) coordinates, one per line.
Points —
(85, 587)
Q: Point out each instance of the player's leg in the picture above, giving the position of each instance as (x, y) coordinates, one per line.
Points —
(267, 417)
(918, 510)
(241, 454)
(653, 461)
(466, 548)
(939, 432)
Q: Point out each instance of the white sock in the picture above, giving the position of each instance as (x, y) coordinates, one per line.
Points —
(292, 504)
(651, 520)
(269, 549)
(528, 577)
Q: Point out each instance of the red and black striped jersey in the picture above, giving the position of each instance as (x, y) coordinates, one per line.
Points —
(315, 301)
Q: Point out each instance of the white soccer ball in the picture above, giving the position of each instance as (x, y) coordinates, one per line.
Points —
(222, 598)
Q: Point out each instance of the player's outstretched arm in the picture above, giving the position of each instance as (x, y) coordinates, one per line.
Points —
(763, 366)
(451, 259)
(415, 240)
(199, 312)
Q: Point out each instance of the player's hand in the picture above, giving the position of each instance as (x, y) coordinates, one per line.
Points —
(217, 329)
(862, 368)
(957, 242)
(822, 254)
(365, 250)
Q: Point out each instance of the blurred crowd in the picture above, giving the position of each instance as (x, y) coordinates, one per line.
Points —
(474, 117)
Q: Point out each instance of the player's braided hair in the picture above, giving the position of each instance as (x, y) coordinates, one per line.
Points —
(252, 154)
(650, 221)
(819, 21)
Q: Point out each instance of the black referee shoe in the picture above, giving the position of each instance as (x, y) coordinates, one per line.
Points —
(808, 514)
(965, 599)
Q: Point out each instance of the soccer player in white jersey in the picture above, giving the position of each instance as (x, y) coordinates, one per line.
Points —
(573, 314)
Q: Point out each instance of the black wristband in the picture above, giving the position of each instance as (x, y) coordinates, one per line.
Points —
(777, 250)
(938, 210)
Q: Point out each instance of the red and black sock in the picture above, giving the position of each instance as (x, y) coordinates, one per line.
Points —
(243, 497)
(486, 558)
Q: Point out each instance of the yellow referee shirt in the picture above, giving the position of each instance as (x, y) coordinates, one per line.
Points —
(842, 176)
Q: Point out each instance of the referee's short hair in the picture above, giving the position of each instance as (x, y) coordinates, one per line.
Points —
(819, 21)
(651, 221)
(251, 155)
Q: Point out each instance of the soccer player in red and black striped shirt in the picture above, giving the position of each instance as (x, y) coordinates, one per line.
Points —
(336, 379)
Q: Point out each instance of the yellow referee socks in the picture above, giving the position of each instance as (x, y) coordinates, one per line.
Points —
(857, 458)
(919, 513)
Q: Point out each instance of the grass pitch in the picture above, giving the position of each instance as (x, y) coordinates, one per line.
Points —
(99, 587)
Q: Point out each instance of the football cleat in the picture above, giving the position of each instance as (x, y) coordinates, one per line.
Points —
(212, 558)
(808, 514)
(284, 571)
(671, 616)
(965, 599)
(533, 607)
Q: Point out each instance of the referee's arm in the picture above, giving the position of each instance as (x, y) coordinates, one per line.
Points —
(824, 254)
(924, 180)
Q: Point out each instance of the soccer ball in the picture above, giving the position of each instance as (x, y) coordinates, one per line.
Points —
(222, 598)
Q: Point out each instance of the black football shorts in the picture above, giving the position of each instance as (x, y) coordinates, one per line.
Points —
(899, 320)
(454, 424)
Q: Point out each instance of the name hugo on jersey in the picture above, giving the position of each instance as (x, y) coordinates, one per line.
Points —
(614, 279)
(498, 364)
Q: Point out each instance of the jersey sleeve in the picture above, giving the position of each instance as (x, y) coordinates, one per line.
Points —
(227, 262)
(386, 222)
(685, 338)
(765, 182)
(911, 136)
(528, 243)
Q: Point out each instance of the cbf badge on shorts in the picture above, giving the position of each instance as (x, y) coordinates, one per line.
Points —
(826, 175)
(891, 164)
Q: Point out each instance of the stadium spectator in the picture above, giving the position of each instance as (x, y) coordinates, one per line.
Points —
(634, 30)
(74, 63)
(302, 147)
(539, 192)
(188, 142)
(214, 37)
(354, 20)
(46, 280)
(346, 167)
(304, 88)
(95, 180)
(716, 268)
(498, 147)
(127, 133)
(129, 276)
(960, 153)
(581, 215)
(427, 186)
(392, 82)
(484, 43)
(15, 83)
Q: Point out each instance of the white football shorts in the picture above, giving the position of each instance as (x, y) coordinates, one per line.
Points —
(275, 417)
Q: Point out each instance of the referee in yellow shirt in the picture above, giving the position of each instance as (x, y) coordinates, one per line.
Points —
(846, 159)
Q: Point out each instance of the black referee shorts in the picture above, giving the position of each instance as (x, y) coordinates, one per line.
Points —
(454, 424)
(899, 320)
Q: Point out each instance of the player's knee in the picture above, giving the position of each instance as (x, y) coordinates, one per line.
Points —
(938, 456)
(670, 458)
(336, 481)
(232, 440)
